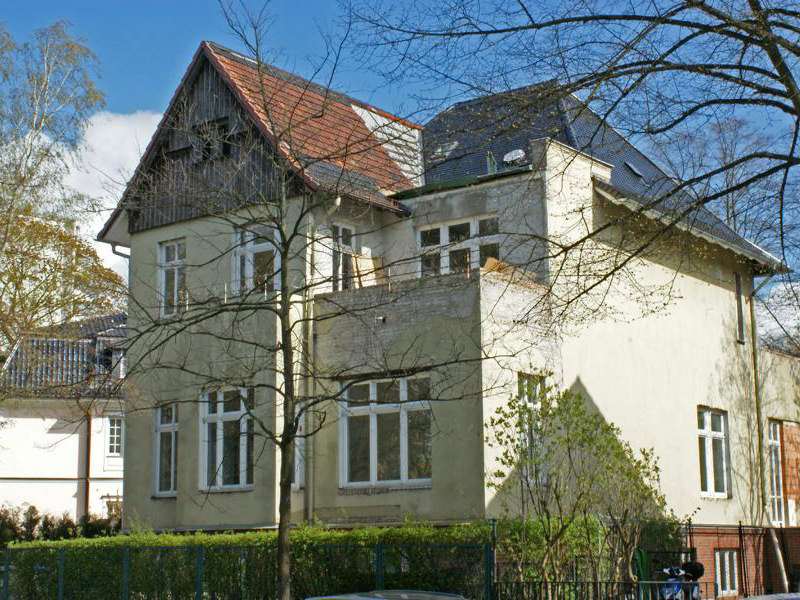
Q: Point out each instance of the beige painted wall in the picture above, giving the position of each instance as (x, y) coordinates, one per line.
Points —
(661, 344)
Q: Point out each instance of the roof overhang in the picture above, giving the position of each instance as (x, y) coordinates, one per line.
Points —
(766, 263)
(115, 231)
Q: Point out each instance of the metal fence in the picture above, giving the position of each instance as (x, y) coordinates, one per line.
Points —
(240, 572)
(591, 590)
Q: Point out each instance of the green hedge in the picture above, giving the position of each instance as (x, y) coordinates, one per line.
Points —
(410, 533)
(242, 565)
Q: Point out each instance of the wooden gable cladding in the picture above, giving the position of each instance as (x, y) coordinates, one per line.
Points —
(276, 129)
(207, 158)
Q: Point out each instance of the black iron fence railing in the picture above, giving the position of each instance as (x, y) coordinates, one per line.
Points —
(600, 590)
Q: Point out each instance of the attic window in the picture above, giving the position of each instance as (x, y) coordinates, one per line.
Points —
(211, 140)
(634, 170)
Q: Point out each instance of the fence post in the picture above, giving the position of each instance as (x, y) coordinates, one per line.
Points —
(488, 564)
(6, 569)
(126, 572)
(61, 574)
(198, 573)
(378, 566)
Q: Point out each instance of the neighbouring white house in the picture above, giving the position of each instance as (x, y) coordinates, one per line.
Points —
(61, 424)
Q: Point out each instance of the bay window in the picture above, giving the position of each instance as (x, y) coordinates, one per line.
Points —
(459, 247)
(386, 433)
(166, 441)
(253, 260)
(227, 439)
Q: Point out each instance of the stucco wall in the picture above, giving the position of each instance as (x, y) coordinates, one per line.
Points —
(42, 457)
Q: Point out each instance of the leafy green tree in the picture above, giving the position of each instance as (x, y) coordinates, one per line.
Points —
(573, 483)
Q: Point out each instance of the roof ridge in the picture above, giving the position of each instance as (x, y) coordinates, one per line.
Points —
(303, 82)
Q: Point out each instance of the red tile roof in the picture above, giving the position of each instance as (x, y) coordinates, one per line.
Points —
(319, 131)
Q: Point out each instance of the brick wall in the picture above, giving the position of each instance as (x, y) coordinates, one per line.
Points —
(790, 449)
(751, 555)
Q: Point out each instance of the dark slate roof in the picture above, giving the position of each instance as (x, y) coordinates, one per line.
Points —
(456, 143)
(65, 360)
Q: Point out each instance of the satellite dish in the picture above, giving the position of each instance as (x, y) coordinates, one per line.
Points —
(515, 156)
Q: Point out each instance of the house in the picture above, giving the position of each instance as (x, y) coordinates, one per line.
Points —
(61, 419)
(431, 278)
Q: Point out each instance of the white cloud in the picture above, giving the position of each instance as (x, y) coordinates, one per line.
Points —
(110, 151)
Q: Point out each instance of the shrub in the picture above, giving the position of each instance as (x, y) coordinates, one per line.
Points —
(31, 526)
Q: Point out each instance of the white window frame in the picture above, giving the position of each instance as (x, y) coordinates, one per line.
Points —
(111, 435)
(777, 510)
(373, 409)
(171, 428)
(707, 435)
(245, 247)
(178, 267)
(220, 418)
(473, 243)
(726, 560)
(338, 248)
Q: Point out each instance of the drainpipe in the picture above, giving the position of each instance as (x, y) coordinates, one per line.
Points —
(88, 459)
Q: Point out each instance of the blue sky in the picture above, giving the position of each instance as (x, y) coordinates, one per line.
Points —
(144, 46)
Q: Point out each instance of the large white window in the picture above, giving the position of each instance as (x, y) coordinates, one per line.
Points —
(344, 256)
(227, 439)
(253, 261)
(775, 473)
(167, 449)
(385, 433)
(713, 452)
(727, 563)
(114, 436)
(172, 277)
(458, 247)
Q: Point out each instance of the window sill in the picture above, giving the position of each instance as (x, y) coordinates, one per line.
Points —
(164, 496)
(383, 488)
(715, 496)
(227, 490)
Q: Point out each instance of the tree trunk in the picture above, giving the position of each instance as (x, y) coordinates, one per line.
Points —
(288, 432)
(284, 524)
(779, 559)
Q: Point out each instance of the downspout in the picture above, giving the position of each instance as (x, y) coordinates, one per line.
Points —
(88, 459)
(760, 439)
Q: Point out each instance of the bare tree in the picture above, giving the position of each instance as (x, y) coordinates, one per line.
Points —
(47, 93)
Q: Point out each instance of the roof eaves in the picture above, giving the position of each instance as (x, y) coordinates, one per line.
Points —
(757, 255)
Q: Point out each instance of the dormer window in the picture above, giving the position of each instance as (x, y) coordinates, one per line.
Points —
(634, 170)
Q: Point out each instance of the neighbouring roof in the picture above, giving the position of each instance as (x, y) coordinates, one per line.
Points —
(335, 142)
(69, 360)
(456, 143)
